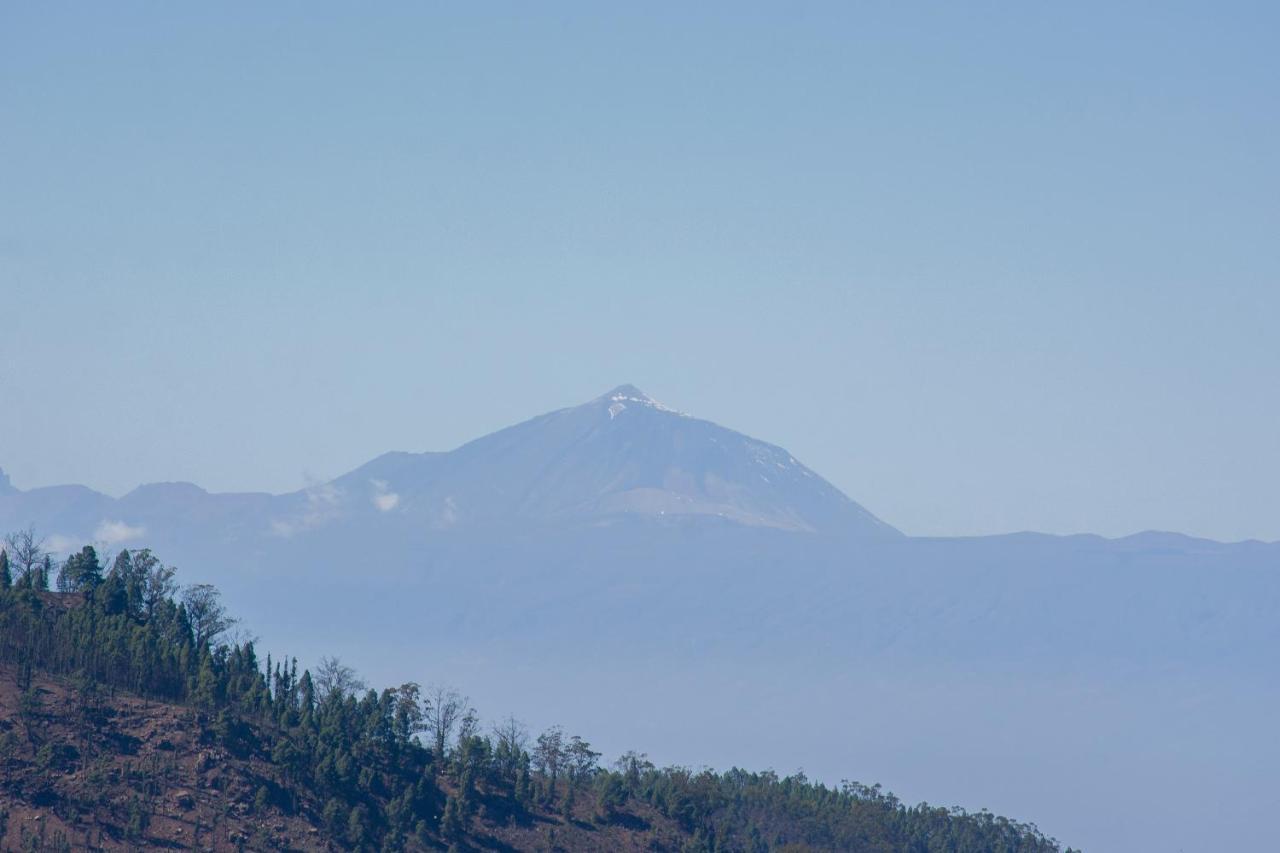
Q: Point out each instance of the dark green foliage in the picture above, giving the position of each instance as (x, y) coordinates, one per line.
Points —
(335, 817)
(152, 658)
(451, 823)
(524, 787)
(358, 825)
(612, 795)
(138, 819)
(360, 753)
(81, 571)
(728, 810)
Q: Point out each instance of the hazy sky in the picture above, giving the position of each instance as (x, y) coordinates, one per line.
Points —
(985, 267)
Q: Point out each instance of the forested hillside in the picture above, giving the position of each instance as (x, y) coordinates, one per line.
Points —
(135, 716)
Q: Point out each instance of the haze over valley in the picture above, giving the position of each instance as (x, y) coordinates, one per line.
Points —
(657, 579)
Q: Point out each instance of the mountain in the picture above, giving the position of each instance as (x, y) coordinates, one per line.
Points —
(621, 455)
(705, 592)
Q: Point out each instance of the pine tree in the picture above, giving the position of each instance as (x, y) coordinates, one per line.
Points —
(358, 825)
(566, 805)
(308, 691)
(6, 576)
(451, 822)
(111, 594)
(334, 816)
(612, 795)
(81, 571)
(134, 582)
(524, 786)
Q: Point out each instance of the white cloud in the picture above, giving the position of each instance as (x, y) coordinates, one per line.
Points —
(324, 503)
(323, 496)
(115, 532)
(384, 499)
(284, 528)
(59, 544)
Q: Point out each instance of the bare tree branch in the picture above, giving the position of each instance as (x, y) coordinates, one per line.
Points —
(333, 677)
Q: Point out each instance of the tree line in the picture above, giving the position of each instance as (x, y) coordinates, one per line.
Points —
(409, 767)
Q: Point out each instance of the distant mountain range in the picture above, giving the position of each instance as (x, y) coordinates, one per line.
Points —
(698, 588)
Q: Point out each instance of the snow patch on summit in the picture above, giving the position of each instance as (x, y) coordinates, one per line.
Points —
(619, 397)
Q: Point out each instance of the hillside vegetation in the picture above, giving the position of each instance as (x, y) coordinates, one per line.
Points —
(131, 720)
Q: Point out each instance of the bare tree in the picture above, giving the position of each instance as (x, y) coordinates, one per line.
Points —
(443, 710)
(333, 677)
(512, 734)
(207, 614)
(468, 726)
(239, 635)
(26, 551)
(511, 738)
(632, 765)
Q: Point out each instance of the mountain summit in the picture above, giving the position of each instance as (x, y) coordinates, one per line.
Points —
(622, 454)
(624, 394)
(627, 392)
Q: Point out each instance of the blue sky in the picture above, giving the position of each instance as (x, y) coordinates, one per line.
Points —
(985, 267)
